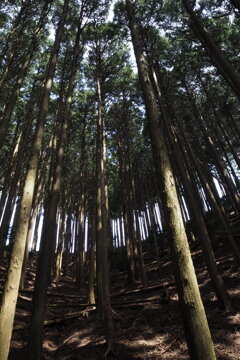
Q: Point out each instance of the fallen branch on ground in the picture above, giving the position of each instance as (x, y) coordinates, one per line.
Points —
(60, 320)
(142, 289)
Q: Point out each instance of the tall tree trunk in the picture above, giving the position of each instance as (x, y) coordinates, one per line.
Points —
(80, 240)
(36, 233)
(39, 188)
(226, 181)
(67, 241)
(103, 299)
(212, 199)
(196, 215)
(152, 227)
(138, 233)
(16, 169)
(92, 262)
(195, 322)
(123, 186)
(50, 226)
(60, 247)
(21, 76)
(10, 294)
(224, 66)
(81, 212)
(16, 30)
(194, 207)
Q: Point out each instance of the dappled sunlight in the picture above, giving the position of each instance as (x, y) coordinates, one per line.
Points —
(143, 330)
(119, 180)
(49, 346)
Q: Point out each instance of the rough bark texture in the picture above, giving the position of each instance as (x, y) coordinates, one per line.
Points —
(194, 207)
(14, 272)
(195, 322)
(49, 227)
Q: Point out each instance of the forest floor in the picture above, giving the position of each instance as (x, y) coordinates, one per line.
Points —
(145, 328)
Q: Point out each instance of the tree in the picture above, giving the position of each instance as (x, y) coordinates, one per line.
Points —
(195, 322)
(14, 272)
(224, 66)
(110, 178)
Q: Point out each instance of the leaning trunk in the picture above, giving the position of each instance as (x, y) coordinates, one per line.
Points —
(195, 322)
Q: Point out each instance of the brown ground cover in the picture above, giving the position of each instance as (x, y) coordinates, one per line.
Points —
(145, 328)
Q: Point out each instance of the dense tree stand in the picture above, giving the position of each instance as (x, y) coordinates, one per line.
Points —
(119, 158)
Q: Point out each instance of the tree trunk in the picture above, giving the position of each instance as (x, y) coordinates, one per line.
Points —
(10, 294)
(21, 76)
(50, 225)
(81, 212)
(196, 215)
(138, 234)
(224, 66)
(123, 186)
(195, 322)
(60, 247)
(212, 199)
(39, 188)
(103, 299)
(226, 181)
(92, 262)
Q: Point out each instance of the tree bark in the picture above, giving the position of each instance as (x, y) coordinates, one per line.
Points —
(195, 322)
(50, 226)
(21, 76)
(92, 262)
(104, 309)
(224, 66)
(10, 294)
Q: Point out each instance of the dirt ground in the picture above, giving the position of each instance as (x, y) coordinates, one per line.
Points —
(145, 328)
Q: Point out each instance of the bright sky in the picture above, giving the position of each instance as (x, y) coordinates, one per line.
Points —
(132, 56)
(111, 13)
(109, 18)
